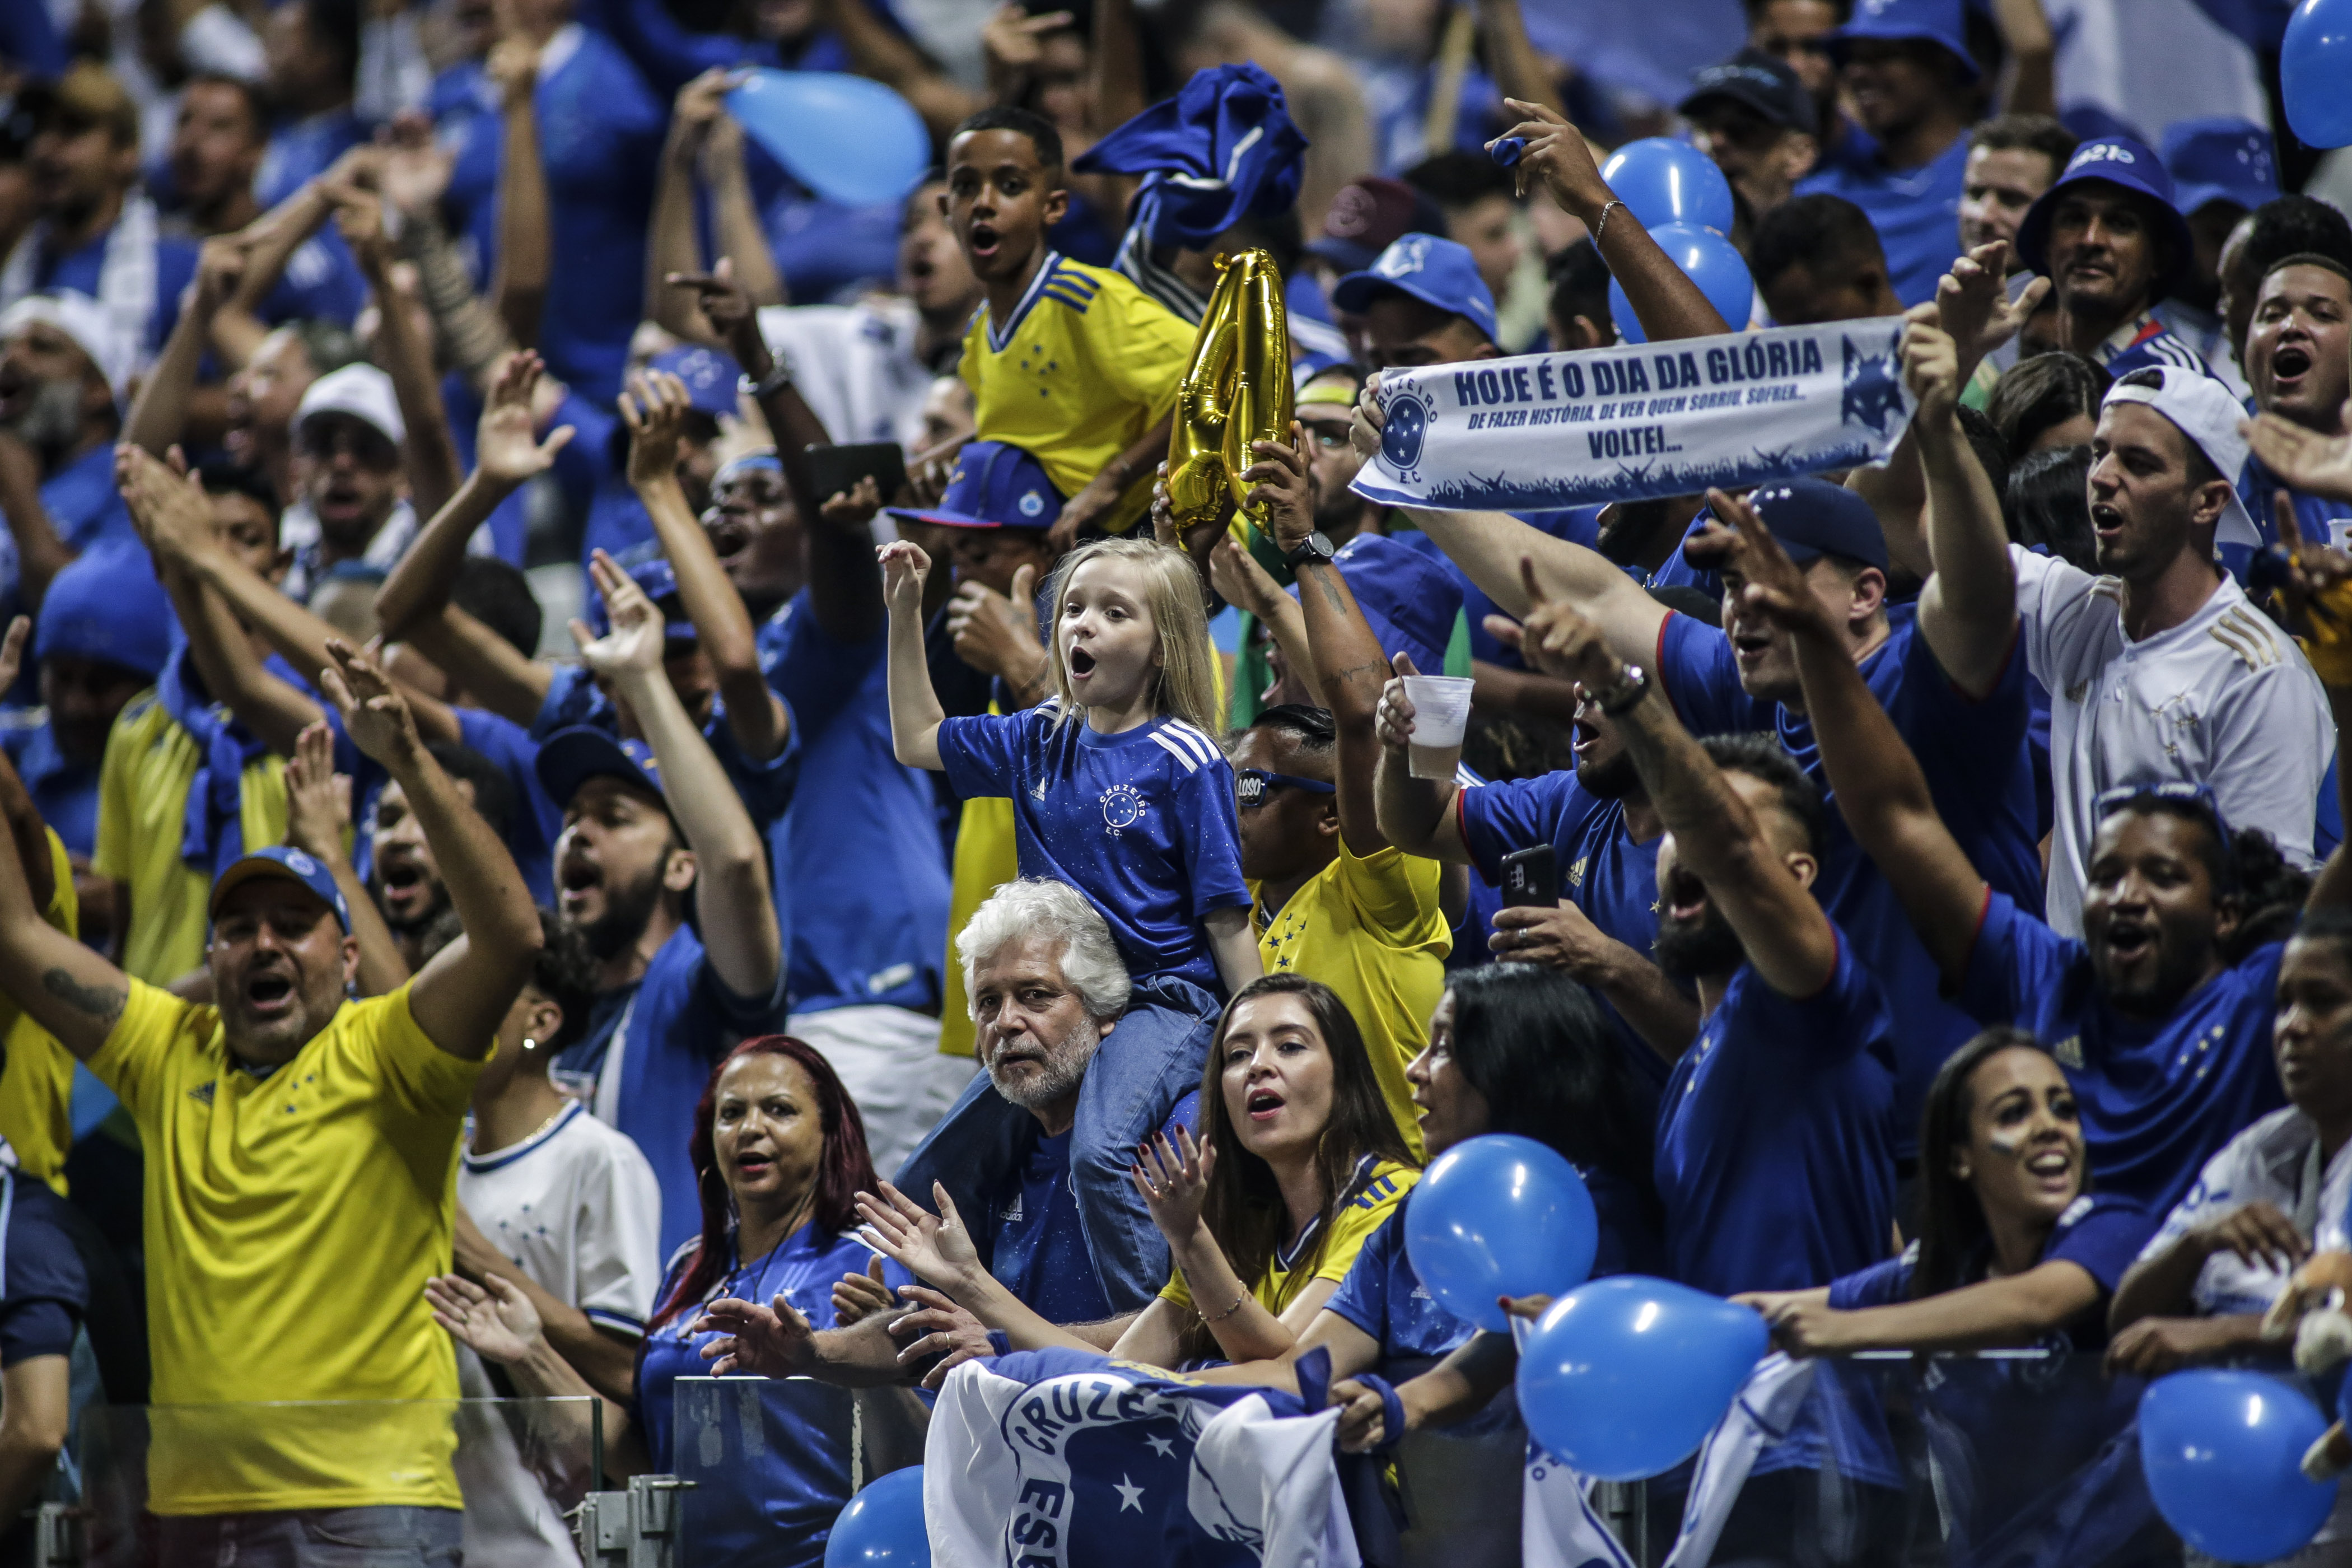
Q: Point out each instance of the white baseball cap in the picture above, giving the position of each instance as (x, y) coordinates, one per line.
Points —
(2204, 410)
(361, 391)
(83, 320)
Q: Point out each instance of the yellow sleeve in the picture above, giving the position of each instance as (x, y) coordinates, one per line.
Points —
(135, 1058)
(36, 1075)
(1393, 893)
(428, 1080)
(110, 857)
(1364, 1213)
(1145, 351)
(1176, 1291)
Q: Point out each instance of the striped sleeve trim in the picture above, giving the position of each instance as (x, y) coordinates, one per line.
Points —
(1200, 745)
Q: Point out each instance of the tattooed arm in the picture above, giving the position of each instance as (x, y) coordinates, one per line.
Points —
(68, 988)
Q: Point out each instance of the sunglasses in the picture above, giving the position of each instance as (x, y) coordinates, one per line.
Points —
(1250, 784)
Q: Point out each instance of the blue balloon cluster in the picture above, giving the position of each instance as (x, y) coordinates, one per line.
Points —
(847, 139)
(883, 1526)
(1662, 181)
(2314, 69)
(1709, 261)
(2222, 1452)
(1499, 1216)
(1624, 1377)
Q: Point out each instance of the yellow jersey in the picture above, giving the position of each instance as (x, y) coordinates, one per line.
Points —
(36, 1081)
(143, 802)
(1086, 364)
(291, 1222)
(1379, 1187)
(1371, 929)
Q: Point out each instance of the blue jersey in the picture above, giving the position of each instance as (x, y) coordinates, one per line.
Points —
(537, 821)
(65, 795)
(1141, 822)
(321, 283)
(2151, 345)
(861, 844)
(299, 150)
(1038, 1250)
(1603, 871)
(574, 698)
(2320, 519)
(1916, 212)
(2157, 1098)
(661, 1037)
(1979, 773)
(85, 509)
(83, 271)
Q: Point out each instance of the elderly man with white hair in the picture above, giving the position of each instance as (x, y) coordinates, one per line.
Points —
(63, 363)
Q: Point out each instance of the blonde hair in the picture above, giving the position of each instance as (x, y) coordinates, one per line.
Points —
(1187, 686)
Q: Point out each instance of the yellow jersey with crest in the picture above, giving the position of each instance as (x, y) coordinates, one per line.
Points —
(292, 1219)
(1086, 363)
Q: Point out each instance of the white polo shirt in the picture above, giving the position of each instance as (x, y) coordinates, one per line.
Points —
(2225, 699)
(577, 1208)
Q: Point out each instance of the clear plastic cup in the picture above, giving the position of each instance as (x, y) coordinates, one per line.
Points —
(1441, 706)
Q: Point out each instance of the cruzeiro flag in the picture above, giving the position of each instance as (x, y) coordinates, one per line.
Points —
(1060, 1458)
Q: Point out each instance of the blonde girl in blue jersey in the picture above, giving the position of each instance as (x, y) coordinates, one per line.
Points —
(1118, 790)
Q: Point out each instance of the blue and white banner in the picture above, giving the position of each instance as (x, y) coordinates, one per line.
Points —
(1058, 1458)
(1639, 420)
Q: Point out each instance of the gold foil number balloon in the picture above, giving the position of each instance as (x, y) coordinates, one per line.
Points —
(1236, 391)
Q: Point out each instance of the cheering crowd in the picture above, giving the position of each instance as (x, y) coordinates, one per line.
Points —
(618, 767)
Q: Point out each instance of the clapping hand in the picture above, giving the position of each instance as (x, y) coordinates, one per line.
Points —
(167, 507)
(2313, 463)
(857, 1296)
(939, 1328)
(931, 1246)
(506, 444)
(764, 1341)
(494, 1320)
(655, 408)
(1174, 1182)
(633, 646)
(318, 798)
(375, 714)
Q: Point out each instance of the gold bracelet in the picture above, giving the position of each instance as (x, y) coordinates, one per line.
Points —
(1229, 1311)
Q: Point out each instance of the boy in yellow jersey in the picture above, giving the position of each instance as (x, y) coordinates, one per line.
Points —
(175, 740)
(1074, 364)
(301, 1163)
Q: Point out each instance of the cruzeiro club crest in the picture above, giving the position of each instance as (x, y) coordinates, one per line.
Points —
(1405, 426)
(1122, 807)
(1873, 392)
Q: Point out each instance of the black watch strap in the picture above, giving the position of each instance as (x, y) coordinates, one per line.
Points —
(1315, 547)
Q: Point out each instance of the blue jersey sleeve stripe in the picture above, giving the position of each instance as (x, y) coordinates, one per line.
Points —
(1203, 747)
(1176, 750)
(1059, 298)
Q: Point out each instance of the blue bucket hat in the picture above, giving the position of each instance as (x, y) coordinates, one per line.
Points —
(107, 606)
(573, 756)
(1940, 22)
(1224, 148)
(2117, 160)
(2220, 160)
(1434, 272)
(1410, 599)
(655, 575)
(994, 485)
(280, 861)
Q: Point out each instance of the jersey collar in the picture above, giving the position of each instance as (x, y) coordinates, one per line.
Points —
(1000, 335)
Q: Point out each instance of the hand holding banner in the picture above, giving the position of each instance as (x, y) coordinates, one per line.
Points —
(1631, 423)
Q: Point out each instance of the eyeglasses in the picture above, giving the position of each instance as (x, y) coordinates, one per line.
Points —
(1250, 784)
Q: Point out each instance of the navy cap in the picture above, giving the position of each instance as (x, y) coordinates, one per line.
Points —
(281, 861)
(655, 575)
(994, 485)
(1408, 599)
(573, 756)
(1763, 82)
(1369, 215)
(1930, 21)
(1434, 272)
(709, 380)
(1812, 518)
(107, 605)
(2220, 160)
(2117, 160)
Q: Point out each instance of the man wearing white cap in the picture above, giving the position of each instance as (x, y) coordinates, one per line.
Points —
(348, 446)
(2161, 669)
(63, 363)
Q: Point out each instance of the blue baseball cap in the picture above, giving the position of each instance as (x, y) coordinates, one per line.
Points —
(994, 485)
(1434, 272)
(2220, 160)
(106, 604)
(1408, 598)
(1761, 81)
(573, 755)
(280, 861)
(1812, 518)
(2115, 161)
(710, 380)
(1938, 22)
(655, 575)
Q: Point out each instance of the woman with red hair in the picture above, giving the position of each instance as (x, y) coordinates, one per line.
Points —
(778, 1151)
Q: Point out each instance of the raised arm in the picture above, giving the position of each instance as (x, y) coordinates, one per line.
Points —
(1417, 816)
(431, 454)
(67, 988)
(739, 930)
(915, 711)
(160, 412)
(673, 245)
(1968, 612)
(318, 823)
(2319, 600)
(653, 408)
(2016, 1311)
(526, 238)
(734, 321)
(1881, 791)
(735, 217)
(463, 993)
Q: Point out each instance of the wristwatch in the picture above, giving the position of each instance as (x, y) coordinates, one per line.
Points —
(1620, 698)
(1316, 547)
(780, 375)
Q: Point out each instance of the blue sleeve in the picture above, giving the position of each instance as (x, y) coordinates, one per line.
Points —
(176, 269)
(28, 35)
(1880, 1285)
(816, 674)
(1702, 680)
(571, 699)
(2105, 1241)
(1362, 1296)
(1497, 818)
(740, 1016)
(766, 787)
(2016, 966)
(47, 1284)
(982, 751)
(1212, 839)
(667, 54)
(1186, 1114)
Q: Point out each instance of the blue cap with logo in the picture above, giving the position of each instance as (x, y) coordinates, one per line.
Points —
(1812, 518)
(1928, 21)
(710, 380)
(2115, 161)
(1409, 600)
(655, 575)
(1761, 81)
(1434, 272)
(573, 756)
(2220, 160)
(994, 485)
(107, 606)
(283, 860)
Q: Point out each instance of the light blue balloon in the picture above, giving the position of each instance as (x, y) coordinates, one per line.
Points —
(883, 1526)
(1624, 1378)
(2314, 68)
(1663, 181)
(1708, 260)
(847, 138)
(2222, 1452)
(1499, 1216)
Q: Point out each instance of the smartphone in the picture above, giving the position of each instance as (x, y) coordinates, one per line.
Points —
(1532, 877)
(835, 471)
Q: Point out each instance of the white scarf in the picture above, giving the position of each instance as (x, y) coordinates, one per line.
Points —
(126, 275)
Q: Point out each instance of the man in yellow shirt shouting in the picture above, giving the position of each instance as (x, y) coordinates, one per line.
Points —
(301, 1156)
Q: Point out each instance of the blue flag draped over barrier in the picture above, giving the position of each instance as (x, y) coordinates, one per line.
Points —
(1058, 1459)
(1634, 422)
